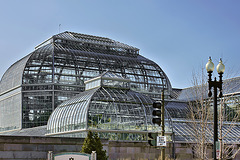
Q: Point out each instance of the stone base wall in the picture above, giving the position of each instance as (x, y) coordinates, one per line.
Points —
(36, 148)
(135, 151)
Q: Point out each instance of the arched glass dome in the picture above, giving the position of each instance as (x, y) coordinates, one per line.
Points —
(108, 107)
(58, 67)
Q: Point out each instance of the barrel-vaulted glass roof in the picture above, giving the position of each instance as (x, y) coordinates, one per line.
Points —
(104, 108)
(72, 114)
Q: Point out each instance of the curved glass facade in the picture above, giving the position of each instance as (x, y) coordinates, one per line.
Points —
(58, 67)
(11, 97)
(71, 115)
(111, 110)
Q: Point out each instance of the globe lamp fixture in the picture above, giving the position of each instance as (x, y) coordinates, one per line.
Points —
(220, 67)
(210, 65)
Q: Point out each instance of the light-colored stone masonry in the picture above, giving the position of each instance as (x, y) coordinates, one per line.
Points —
(36, 148)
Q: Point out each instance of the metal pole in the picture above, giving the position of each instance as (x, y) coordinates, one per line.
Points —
(215, 117)
(215, 84)
(163, 126)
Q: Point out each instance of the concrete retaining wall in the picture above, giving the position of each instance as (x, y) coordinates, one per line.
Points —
(21, 148)
(36, 148)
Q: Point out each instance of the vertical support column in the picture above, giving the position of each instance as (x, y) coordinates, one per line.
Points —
(93, 155)
(53, 74)
(50, 155)
(163, 126)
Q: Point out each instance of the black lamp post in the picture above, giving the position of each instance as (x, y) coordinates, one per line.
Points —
(215, 84)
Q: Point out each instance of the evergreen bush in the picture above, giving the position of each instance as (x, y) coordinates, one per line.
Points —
(93, 143)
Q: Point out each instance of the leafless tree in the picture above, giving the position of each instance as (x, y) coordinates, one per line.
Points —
(201, 115)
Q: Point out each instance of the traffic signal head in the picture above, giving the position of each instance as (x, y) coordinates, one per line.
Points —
(156, 113)
(152, 139)
(157, 121)
(157, 105)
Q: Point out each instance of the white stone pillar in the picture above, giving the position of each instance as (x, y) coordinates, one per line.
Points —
(50, 155)
(94, 155)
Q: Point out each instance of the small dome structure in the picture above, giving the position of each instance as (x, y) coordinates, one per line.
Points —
(108, 107)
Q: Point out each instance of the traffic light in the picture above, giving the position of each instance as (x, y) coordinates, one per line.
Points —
(152, 139)
(157, 113)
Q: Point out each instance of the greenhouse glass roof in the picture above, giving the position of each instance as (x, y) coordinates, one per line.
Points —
(191, 131)
(107, 108)
(57, 69)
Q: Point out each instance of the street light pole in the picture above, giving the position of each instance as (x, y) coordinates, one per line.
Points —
(215, 85)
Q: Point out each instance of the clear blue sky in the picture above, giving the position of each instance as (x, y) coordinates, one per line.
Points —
(179, 35)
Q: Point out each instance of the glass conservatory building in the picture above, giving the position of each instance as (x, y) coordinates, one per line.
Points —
(94, 83)
(55, 71)
(107, 107)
